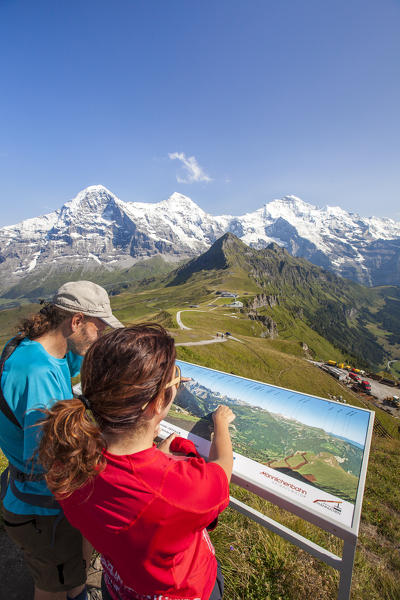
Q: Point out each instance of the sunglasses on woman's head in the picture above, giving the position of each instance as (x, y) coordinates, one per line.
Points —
(176, 380)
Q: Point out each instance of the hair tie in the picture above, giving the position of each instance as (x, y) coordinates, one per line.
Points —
(46, 308)
(84, 401)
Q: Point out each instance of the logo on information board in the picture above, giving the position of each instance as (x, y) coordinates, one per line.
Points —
(290, 486)
(332, 505)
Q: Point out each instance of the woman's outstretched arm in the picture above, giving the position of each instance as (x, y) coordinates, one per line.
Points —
(221, 446)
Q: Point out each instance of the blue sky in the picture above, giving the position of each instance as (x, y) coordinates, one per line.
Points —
(260, 98)
(339, 419)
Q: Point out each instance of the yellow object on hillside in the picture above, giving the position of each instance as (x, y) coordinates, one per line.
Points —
(332, 363)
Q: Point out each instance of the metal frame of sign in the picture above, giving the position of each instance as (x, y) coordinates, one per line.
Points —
(349, 535)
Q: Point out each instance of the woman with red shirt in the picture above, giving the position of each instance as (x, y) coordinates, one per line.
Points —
(144, 509)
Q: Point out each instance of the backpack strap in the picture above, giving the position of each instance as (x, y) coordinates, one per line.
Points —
(12, 474)
(4, 407)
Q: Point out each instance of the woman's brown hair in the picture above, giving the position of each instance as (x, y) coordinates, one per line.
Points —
(122, 372)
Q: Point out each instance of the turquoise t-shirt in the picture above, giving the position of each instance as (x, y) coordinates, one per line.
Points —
(32, 379)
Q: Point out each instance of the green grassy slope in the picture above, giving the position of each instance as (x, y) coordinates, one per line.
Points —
(10, 318)
(44, 283)
(360, 322)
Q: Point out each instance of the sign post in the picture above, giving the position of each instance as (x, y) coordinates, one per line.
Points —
(303, 453)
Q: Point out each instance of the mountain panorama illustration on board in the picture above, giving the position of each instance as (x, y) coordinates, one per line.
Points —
(96, 230)
(315, 441)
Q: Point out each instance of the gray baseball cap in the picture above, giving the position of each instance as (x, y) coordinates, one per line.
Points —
(88, 298)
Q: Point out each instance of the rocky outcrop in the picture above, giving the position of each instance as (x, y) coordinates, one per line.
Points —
(308, 353)
(263, 300)
(271, 328)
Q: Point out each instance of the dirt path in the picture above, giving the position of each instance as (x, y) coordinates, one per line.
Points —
(203, 342)
(16, 582)
(179, 320)
(213, 340)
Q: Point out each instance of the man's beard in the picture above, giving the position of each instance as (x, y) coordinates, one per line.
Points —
(81, 344)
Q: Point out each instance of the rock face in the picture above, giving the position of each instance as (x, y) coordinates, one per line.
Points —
(97, 230)
(263, 300)
(271, 328)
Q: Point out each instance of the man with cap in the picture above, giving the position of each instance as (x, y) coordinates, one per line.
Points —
(35, 370)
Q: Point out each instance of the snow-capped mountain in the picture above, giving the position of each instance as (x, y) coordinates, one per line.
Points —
(98, 230)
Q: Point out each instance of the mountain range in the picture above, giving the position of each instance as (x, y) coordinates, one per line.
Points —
(98, 231)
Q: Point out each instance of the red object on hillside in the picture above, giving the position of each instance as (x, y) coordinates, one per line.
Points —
(355, 377)
(366, 386)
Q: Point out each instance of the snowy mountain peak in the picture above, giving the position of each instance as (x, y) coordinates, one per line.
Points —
(180, 203)
(289, 207)
(91, 199)
(337, 211)
(96, 189)
(291, 198)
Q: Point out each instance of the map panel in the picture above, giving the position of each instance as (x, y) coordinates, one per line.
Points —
(303, 447)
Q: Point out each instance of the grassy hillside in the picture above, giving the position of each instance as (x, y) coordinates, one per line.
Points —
(43, 284)
(10, 318)
(259, 565)
(361, 322)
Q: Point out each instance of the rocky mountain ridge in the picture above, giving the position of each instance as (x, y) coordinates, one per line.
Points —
(96, 230)
(292, 290)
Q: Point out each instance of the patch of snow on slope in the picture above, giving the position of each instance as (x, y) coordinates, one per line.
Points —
(33, 262)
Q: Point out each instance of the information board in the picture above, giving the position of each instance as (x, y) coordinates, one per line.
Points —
(307, 449)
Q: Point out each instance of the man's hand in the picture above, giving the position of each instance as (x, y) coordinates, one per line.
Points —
(165, 444)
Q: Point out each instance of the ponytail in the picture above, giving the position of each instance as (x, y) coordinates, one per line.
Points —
(71, 448)
(48, 318)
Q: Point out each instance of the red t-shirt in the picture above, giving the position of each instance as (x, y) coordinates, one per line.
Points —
(146, 514)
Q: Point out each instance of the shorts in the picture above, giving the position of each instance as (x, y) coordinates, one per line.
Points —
(218, 590)
(52, 550)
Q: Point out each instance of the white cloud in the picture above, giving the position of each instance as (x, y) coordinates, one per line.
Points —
(192, 170)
